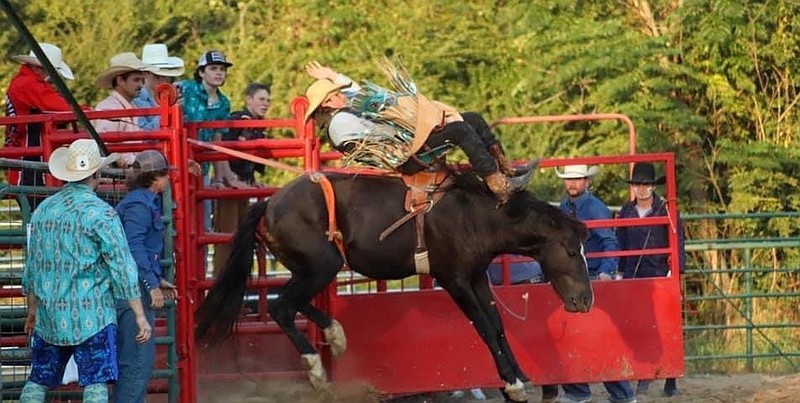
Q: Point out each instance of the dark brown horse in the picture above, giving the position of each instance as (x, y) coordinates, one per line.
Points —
(464, 232)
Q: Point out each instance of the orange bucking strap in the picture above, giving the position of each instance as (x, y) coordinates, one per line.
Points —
(333, 232)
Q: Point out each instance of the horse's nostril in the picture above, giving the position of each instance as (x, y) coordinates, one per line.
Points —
(587, 301)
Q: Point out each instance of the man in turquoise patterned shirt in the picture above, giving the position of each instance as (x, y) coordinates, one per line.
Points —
(77, 264)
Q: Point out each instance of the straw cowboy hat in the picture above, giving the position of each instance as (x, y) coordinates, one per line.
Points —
(318, 91)
(645, 173)
(578, 171)
(120, 64)
(155, 54)
(78, 161)
(53, 54)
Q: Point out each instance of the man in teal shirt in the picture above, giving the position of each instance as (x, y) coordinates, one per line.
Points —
(77, 264)
(202, 99)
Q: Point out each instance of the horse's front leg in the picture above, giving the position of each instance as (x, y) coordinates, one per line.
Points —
(484, 293)
(469, 303)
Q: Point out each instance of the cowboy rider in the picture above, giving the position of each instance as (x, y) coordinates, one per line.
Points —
(330, 106)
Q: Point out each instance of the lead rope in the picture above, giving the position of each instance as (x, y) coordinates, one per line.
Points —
(523, 317)
(644, 246)
(672, 226)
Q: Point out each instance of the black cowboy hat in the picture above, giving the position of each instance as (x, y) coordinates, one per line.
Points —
(644, 172)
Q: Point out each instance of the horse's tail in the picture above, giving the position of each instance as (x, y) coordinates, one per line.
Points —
(222, 306)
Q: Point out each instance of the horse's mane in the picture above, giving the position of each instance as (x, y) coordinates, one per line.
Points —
(524, 202)
(520, 204)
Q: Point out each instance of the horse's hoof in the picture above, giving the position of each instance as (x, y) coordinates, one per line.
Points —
(516, 392)
(334, 335)
(316, 374)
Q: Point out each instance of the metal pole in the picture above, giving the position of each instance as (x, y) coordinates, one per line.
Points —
(54, 76)
(748, 307)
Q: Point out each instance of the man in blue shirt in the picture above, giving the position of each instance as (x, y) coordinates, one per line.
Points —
(583, 205)
(140, 213)
(77, 264)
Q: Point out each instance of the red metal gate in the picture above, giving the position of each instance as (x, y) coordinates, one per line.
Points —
(403, 342)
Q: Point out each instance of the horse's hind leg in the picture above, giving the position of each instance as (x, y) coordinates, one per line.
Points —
(331, 329)
(484, 294)
(296, 296)
(469, 303)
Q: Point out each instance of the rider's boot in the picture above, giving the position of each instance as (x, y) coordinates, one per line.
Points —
(505, 165)
(500, 185)
(504, 186)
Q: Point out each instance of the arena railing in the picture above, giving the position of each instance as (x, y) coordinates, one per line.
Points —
(12, 236)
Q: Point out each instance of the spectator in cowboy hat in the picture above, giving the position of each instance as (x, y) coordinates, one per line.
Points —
(29, 93)
(125, 77)
(77, 263)
(647, 203)
(580, 203)
(169, 68)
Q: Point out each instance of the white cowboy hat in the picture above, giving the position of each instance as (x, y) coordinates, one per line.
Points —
(168, 66)
(120, 64)
(317, 92)
(53, 54)
(78, 161)
(578, 171)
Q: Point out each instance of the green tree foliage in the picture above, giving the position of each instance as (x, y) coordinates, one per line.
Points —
(711, 81)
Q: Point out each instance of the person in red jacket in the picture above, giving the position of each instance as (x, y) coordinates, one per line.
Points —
(30, 92)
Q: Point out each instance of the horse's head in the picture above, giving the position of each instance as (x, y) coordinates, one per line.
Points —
(556, 241)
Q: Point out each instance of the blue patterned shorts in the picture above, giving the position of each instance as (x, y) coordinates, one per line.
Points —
(96, 359)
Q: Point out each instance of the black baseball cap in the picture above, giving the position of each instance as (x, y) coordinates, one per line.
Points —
(213, 57)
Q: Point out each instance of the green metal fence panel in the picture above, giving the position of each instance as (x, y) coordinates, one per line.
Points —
(732, 308)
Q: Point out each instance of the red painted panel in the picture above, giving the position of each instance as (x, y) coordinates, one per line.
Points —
(419, 341)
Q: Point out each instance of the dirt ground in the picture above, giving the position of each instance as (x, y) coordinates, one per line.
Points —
(749, 388)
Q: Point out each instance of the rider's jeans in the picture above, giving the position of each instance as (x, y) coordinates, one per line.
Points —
(135, 360)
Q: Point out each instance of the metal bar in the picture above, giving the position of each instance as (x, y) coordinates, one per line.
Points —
(760, 240)
(748, 307)
(740, 245)
(741, 296)
(42, 166)
(741, 356)
(735, 270)
(725, 216)
(742, 327)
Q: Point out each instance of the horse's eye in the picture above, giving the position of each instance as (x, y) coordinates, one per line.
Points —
(571, 253)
